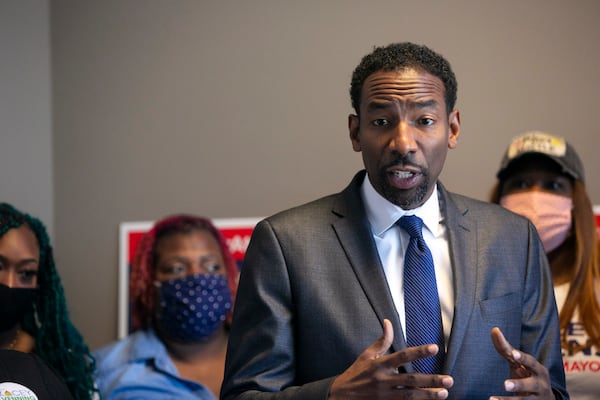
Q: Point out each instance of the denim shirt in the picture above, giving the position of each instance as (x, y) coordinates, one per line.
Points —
(138, 367)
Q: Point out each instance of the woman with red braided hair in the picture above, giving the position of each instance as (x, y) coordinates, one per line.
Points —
(34, 320)
(182, 287)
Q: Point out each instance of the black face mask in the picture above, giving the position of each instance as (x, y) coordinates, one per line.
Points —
(14, 304)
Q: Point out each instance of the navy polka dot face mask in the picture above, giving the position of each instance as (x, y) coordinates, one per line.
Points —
(193, 308)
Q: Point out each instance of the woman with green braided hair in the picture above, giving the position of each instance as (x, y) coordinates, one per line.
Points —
(33, 311)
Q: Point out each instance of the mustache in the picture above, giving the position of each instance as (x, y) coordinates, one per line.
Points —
(403, 161)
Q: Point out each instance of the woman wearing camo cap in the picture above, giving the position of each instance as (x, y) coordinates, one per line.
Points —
(542, 178)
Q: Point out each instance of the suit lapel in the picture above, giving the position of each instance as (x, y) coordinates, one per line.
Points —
(462, 240)
(355, 237)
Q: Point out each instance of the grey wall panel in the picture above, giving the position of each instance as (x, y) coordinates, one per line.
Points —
(236, 109)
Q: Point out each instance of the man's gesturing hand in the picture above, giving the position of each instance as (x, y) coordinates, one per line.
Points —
(528, 377)
(375, 375)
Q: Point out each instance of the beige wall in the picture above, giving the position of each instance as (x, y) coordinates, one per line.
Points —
(25, 112)
(239, 108)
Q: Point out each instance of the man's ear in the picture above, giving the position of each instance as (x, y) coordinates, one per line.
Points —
(353, 130)
(454, 127)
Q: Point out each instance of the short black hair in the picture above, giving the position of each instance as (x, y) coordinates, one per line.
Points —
(398, 56)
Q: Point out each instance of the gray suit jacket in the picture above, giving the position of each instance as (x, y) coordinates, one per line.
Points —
(312, 296)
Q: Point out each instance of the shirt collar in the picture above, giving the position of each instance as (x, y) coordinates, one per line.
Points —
(147, 346)
(382, 214)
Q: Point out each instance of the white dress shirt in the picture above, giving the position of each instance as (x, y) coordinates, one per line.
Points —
(392, 241)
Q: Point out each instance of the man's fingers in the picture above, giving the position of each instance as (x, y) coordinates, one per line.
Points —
(417, 380)
(528, 376)
(388, 334)
(379, 349)
(501, 344)
(409, 354)
(381, 346)
(376, 372)
(505, 349)
(530, 384)
(421, 393)
(529, 362)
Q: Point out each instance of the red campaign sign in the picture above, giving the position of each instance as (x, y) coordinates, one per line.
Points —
(236, 231)
(132, 243)
(237, 240)
(597, 214)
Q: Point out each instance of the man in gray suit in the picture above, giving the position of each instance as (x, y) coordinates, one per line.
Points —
(320, 305)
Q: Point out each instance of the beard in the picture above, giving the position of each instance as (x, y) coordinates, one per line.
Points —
(404, 198)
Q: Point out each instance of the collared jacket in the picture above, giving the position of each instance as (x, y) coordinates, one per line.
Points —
(312, 297)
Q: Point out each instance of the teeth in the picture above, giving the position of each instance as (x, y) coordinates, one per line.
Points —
(403, 174)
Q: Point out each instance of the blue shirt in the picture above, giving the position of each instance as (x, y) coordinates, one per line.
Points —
(138, 367)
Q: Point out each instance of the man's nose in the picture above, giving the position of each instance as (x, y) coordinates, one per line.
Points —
(403, 140)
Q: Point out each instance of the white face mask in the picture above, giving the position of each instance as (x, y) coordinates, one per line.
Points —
(550, 213)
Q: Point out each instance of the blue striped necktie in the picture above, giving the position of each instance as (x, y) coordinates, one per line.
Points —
(421, 300)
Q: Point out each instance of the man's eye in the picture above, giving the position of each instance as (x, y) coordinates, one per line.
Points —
(381, 122)
(427, 121)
